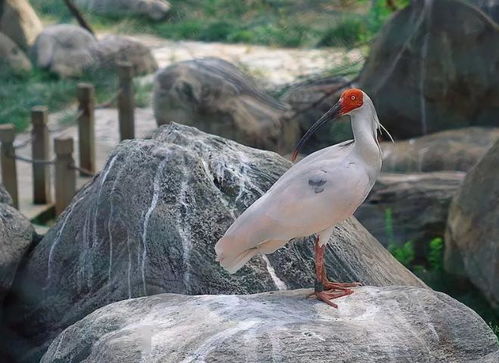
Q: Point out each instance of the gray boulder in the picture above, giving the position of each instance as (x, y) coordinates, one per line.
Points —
(109, 51)
(215, 96)
(16, 236)
(5, 197)
(147, 224)
(472, 236)
(12, 57)
(489, 7)
(19, 22)
(409, 207)
(153, 9)
(430, 71)
(457, 150)
(391, 324)
(64, 49)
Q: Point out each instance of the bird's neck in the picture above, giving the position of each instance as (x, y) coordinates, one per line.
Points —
(364, 132)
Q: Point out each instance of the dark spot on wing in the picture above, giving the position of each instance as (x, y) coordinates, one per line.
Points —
(317, 182)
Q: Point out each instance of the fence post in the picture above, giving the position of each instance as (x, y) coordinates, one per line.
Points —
(8, 161)
(126, 101)
(86, 126)
(65, 174)
(40, 151)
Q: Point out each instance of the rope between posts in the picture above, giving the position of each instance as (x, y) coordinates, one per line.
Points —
(32, 161)
(82, 170)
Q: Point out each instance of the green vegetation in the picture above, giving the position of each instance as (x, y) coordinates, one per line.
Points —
(404, 254)
(288, 23)
(433, 274)
(18, 94)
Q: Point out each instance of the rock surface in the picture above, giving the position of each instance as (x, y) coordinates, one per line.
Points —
(148, 224)
(5, 197)
(215, 96)
(489, 7)
(391, 324)
(113, 49)
(64, 49)
(12, 57)
(19, 22)
(16, 236)
(429, 71)
(457, 150)
(154, 9)
(415, 204)
(309, 100)
(472, 237)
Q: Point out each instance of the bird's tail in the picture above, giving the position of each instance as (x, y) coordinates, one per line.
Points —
(230, 257)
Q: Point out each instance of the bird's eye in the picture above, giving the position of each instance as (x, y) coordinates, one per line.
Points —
(352, 98)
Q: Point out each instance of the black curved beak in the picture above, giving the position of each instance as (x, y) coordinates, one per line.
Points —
(330, 115)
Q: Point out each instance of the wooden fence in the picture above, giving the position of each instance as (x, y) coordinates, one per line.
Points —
(64, 164)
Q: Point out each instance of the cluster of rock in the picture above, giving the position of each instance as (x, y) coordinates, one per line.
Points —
(147, 224)
(66, 50)
(19, 27)
(153, 9)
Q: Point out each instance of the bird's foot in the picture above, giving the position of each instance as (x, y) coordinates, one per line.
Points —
(328, 285)
(328, 295)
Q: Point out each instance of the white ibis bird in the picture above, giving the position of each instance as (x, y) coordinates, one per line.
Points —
(313, 196)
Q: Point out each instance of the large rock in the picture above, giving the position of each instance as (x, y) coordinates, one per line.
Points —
(12, 57)
(215, 96)
(5, 197)
(16, 236)
(394, 324)
(310, 100)
(64, 49)
(456, 150)
(472, 237)
(428, 71)
(148, 224)
(489, 7)
(19, 22)
(154, 9)
(113, 49)
(409, 207)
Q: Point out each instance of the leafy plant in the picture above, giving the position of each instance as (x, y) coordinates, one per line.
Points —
(404, 254)
(436, 254)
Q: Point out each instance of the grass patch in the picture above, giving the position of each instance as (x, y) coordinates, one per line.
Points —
(18, 94)
(288, 23)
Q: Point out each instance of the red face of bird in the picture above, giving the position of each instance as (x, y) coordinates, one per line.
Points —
(350, 100)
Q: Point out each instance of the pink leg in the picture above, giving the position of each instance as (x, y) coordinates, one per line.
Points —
(324, 289)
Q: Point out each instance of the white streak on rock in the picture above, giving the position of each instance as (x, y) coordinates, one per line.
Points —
(154, 202)
(58, 238)
(104, 177)
(185, 233)
(213, 342)
(281, 285)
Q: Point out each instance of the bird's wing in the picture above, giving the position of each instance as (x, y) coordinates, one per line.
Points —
(310, 197)
(320, 195)
(305, 200)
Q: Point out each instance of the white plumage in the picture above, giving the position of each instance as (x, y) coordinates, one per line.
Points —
(315, 194)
